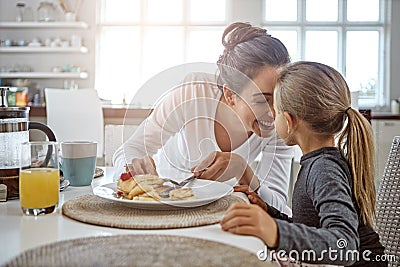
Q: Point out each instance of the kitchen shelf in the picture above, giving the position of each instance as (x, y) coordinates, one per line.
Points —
(45, 25)
(51, 55)
(44, 49)
(45, 75)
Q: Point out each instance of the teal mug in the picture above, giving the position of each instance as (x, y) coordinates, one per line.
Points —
(78, 161)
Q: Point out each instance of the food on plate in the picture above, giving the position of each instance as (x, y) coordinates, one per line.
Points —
(161, 189)
(139, 189)
(181, 194)
(151, 195)
(149, 179)
(126, 185)
(125, 176)
(144, 198)
(148, 188)
(133, 187)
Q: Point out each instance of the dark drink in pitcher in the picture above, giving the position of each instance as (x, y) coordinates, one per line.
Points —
(10, 178)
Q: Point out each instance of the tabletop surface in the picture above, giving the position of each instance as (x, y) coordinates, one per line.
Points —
(19, 232)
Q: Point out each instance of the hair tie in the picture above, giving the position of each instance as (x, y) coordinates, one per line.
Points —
(347, 109)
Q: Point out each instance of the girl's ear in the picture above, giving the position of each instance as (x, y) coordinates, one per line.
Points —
(291, 121)
(229, 96)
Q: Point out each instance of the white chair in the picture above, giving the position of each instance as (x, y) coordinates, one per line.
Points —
(75, 115)
(114, 137)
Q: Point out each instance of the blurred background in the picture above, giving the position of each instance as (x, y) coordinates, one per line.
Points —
(115, 46)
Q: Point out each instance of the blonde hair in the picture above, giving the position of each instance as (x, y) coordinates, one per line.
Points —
(318, 95)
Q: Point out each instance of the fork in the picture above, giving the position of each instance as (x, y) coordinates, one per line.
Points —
(171, 181)
(187, 180)
(165, 194)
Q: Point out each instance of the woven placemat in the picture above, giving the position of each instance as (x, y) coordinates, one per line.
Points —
(136, 250)
(95, 210)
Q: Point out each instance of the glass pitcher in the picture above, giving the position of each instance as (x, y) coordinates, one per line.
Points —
(14, 130)
(46, 12)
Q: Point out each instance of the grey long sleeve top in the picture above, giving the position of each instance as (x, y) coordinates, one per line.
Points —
(325, 220)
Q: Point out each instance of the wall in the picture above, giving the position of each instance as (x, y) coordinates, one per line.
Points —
(395, 51)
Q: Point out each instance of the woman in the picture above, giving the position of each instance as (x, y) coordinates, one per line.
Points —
(214, 126)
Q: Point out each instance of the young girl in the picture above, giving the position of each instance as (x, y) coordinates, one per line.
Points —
(334, 195)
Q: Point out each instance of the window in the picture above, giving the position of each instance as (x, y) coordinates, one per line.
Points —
(348, 35)
(137, 39)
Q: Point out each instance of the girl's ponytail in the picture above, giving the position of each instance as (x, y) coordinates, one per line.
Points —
(356, 142)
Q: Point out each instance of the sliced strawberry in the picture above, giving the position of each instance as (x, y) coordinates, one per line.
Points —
(125, 176)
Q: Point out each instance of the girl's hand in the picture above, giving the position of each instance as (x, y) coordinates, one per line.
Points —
(144, 165)
(248, 219)
(253, 197)
(222, 166)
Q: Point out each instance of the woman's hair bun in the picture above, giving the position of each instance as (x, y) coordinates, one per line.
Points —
(240, 32)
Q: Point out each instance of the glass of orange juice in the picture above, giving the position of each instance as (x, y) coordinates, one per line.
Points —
(39, 178)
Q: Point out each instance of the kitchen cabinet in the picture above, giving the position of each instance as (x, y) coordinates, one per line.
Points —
(43, 59)
(384, 132)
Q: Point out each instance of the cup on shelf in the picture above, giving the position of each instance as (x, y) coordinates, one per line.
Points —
(56, 69)
(64, 44)
(8, 42)
(35, 42)
(76, 40)
(47, 42)
(395, 106)
(21, 43)
(56, 42)
(70, 16)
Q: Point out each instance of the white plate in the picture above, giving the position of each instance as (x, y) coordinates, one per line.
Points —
(205, 191)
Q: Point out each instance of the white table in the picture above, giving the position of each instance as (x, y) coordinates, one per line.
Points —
(20, 232)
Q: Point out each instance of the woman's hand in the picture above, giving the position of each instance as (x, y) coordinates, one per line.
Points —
(249, 219)
(222, 166)
(144, 165)
(253, 197)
